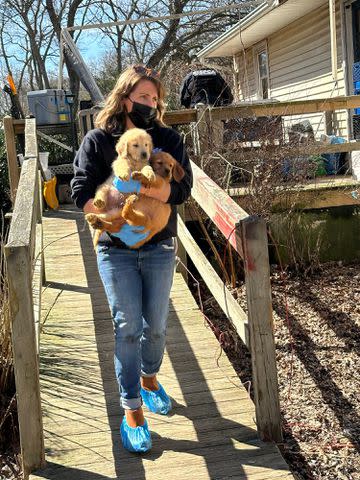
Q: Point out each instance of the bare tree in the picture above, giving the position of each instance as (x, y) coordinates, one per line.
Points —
(159, 42)
(27, 22)
(35, 28)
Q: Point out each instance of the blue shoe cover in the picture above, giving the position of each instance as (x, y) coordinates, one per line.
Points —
(135, 439)
(156, 401)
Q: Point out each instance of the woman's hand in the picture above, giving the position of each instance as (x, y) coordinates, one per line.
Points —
(89, 207)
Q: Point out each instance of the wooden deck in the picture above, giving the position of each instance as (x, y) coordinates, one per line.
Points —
(323, 192)
(210, 433)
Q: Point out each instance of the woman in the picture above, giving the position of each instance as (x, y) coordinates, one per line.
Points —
(137, 282)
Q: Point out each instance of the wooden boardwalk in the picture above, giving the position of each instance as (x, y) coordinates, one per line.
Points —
(210, 434)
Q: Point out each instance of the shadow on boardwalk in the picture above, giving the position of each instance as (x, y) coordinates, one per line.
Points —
(225, 446)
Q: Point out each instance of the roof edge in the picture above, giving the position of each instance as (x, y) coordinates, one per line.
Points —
(252, 17)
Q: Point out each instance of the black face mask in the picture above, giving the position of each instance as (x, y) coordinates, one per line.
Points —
(142, 116)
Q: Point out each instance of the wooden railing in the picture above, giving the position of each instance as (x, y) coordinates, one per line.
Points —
(25, 267)
(248, 235)
(209, 124)
(250, 109)
(253, 109)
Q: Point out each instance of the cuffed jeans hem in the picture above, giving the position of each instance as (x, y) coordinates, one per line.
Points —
(131, 403)
(148, 375)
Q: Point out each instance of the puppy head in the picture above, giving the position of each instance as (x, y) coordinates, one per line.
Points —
(135, 145)
(166, 166)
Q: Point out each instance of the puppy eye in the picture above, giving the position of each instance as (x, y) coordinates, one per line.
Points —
(135, 145)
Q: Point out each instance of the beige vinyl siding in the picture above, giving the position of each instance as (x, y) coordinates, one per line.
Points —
(300, 66)
(299, 58)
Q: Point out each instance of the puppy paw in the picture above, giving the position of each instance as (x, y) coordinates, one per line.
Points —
(131, 200)
(140, 178)
(148, 173)
(125, 177)
(99, 203)
(94, 221)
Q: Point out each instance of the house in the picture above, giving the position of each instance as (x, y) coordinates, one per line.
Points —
(296, 50)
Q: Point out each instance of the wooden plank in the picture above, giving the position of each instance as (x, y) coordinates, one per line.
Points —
(180, 117)
(31, 145)
(254, 109)
(320, 183)
(258, 292)
(24, 214)
(181, 266)
(227, 302)
(11, 156)
(329, 122)
(221, 209)
(211, 432)
(40, 238)
(288, 151)
(37, 283)
(321, 193)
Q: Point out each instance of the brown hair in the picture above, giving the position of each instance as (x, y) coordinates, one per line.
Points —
(112, 115)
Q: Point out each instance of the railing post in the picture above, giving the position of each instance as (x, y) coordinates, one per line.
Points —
(26, 367)
(207, 133)
(13, 168)
(40, 221)
(181, 252)
(199, 130)
(262, 345)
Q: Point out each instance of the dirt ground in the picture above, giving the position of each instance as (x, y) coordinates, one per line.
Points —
(317, 335)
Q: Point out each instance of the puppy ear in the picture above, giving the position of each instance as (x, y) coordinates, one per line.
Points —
(178, 172)
(122, 147)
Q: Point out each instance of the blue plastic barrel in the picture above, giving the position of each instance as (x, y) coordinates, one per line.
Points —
(332, 160)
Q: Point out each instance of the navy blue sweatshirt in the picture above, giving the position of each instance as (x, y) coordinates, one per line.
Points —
(92, 166)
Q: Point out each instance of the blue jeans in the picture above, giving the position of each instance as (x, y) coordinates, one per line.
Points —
(137, 285)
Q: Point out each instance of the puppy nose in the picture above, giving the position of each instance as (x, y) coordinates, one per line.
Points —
(167, 171)
(144, 154)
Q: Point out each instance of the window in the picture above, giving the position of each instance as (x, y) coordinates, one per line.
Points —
(261, 69)
(263, 75)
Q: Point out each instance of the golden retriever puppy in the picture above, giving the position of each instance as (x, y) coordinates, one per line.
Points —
(134, 149)
(142, 210)
(148, 212)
